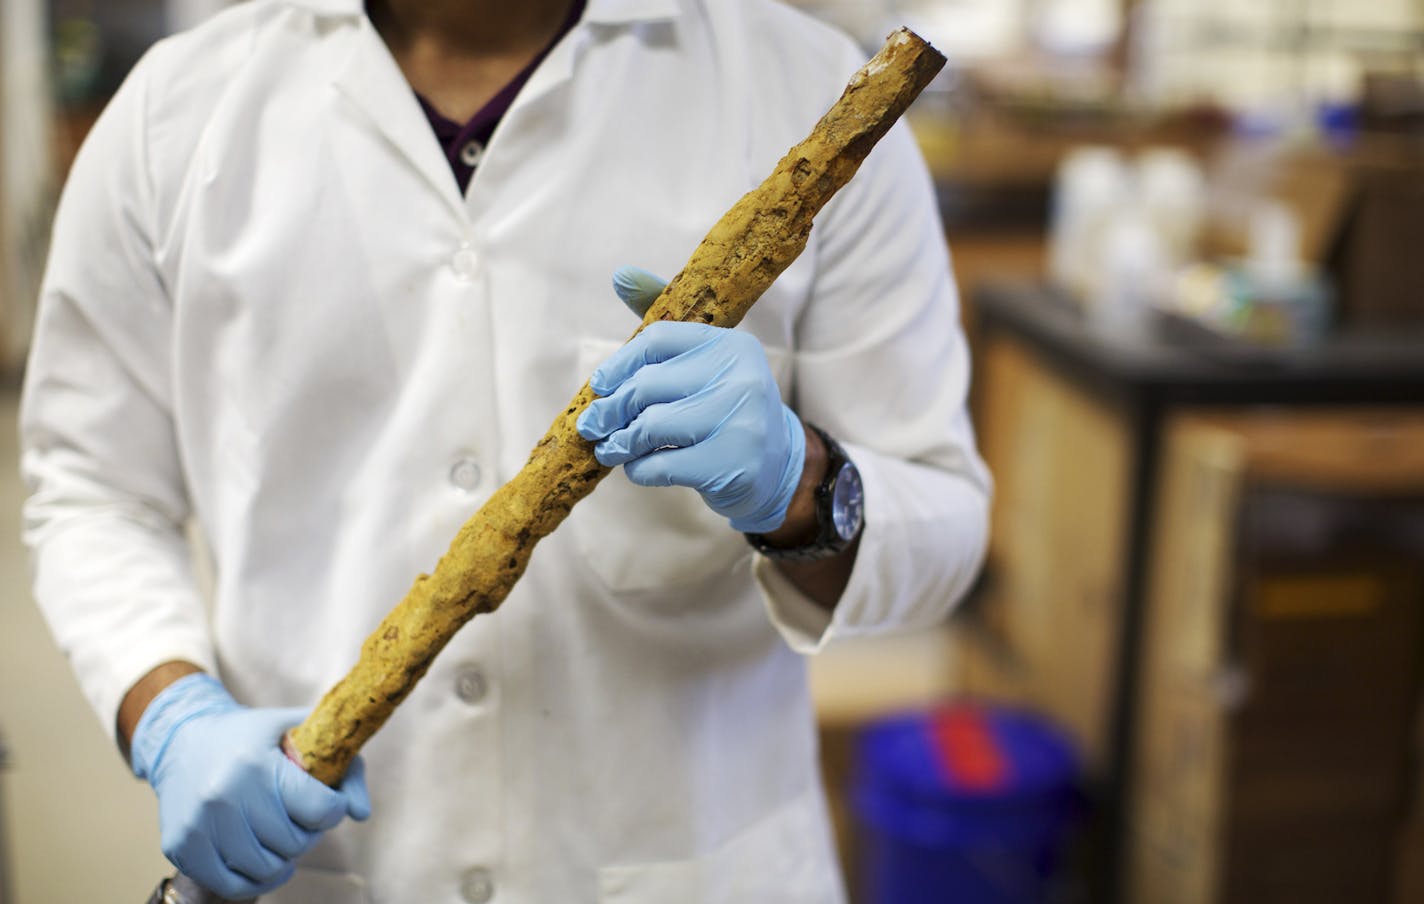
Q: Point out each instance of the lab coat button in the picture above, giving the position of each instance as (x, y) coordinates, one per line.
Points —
(465, 263)
(470, 686)
(465, 474)
(471, 153)
(477, 886)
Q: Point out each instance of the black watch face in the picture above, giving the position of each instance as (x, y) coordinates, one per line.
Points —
(847, 502)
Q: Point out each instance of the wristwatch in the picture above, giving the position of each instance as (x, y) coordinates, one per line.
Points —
(840, 510)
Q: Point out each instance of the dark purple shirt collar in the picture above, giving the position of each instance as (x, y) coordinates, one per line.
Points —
(464, 145)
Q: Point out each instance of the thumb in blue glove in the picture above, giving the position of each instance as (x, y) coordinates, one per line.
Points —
(637, 288)
(234, 813)
(693, 405)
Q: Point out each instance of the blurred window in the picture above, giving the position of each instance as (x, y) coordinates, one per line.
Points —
(1274, 58)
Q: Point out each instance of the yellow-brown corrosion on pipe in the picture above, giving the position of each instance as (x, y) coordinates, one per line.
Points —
(740, 257)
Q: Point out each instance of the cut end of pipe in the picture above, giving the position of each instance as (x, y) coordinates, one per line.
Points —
(291, 751)
(902, 40)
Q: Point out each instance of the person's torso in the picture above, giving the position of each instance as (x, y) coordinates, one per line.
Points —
(361, 356)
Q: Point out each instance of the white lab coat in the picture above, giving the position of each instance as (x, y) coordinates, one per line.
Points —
(269, 309)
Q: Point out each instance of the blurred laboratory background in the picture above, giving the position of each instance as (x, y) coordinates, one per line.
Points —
(1189, 240)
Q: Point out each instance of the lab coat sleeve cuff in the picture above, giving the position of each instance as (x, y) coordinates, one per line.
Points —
(117, 593)
(808, 627)
(803, 624)
(921, 546)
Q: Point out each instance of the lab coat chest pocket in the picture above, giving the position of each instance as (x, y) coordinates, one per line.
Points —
(784, 857)
(654, 538)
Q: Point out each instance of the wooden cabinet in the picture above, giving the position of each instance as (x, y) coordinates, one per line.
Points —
(1059, 457)
(1133, 592)
(1282, 651)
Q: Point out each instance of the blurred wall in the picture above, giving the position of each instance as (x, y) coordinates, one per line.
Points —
(26, 181)
(184, 14)
(1269, 57)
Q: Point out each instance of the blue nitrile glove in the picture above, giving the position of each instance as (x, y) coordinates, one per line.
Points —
(233, 812)
(637, 288)
(693, 405)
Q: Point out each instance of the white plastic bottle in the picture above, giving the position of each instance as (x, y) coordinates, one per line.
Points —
(1092, 183)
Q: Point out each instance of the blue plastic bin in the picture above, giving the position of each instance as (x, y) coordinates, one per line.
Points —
(962, 804)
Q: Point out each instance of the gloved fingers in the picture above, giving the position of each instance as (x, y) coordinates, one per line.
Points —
(353, 788)
(637, 288)
(241, 888)
(282, 837)
(275, 829)
(656, 384)
(282, 831)
(309, 803)
(681, 424)
(684, 467)
(240, 849)
(660, 342)
(727, 470)
(202, 863)
(771, 512)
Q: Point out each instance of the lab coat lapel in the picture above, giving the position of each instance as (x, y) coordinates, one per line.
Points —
(558, 67)
(370, 80)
